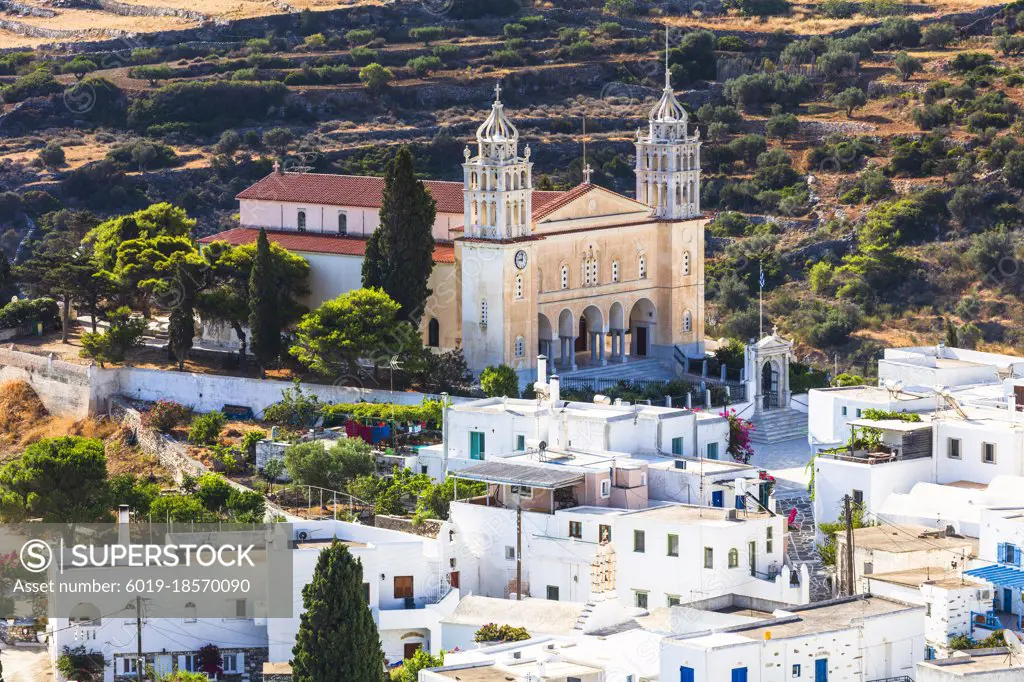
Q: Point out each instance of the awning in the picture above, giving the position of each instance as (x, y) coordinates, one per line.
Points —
(1001, 576)
(545, 477)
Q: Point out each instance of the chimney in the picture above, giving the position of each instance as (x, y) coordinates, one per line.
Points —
(123, 519)
(542, 367)
(553, 388)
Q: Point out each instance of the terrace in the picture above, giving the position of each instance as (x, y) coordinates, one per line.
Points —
(881, 441)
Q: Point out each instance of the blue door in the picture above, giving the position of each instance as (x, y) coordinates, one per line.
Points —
(1007, 600)
(740, 502)
(717, 498)
(739, 675)
(821, 670)
(685, 674)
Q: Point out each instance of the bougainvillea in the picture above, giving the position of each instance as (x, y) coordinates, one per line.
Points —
(739, 436)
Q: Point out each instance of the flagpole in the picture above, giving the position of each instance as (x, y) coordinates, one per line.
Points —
(760, 301)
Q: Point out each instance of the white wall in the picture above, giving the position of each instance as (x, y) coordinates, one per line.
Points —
(1009, 442)
(323, 218)
(835, 478)
(826, 423)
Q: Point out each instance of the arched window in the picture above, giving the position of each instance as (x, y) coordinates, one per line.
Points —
(642, 267)
(687, 321)
(433, 333)
(519, 286)
(686, 262)
(520, 347)
(483, 313)
(615, 271)
(301, 220)
(734, 558)
(190, 612)
(565, 276)
(342, 222)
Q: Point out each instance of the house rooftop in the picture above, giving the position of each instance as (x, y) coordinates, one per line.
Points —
(872, 394)
(829, 616)
(538, 616)
(534, 475)
(688, 513)
(935, 575)
(969, 664)
(902, 538)
(893, 424)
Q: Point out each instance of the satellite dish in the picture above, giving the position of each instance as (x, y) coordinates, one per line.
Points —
(542, 446)
(1013, 643)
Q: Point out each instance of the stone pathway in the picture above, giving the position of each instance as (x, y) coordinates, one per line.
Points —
(801, 546)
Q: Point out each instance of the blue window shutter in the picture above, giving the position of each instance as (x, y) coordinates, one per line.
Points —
(1001, 552)
(685, 674)
(1016, 556)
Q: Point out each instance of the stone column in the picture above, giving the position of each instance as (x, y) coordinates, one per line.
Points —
(600, 346)
(622, 345)
(572, 352)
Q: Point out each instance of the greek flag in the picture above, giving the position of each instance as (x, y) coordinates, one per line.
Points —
(761, 279)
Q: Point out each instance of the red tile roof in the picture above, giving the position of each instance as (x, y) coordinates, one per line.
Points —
(357, 190)
(565, 199)
(309, 242)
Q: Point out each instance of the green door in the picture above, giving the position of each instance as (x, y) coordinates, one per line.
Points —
(476, 445)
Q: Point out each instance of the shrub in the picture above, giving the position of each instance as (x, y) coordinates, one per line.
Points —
(52, 155)
(447, 53)
(38, 83)
(143, 155)
(938, 36)
(205, 428)
(906, 65)
(500, 633)
(314, 464)
(375, 77)
(500, 380)
(754, 91)
(850, 99)
(969, 61)
(359, 36)
(364, 55)
(247, 506)
(506, 57)
(427, 34)
(213, 491)
(165, 415)
(782, 126)
(729, 224)
(296, 408)
(152, 74)
(837, 9)
(125, 332)
(205, 105)
(424, 64)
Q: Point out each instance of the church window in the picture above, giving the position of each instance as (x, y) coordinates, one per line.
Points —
(342, 222)
(593, 272)
(483, 313)
(687, 321)
(615, 271)
(433, 333)
(519, 286)
(301, 220)
(565, 276)
(686, 262)
(642, 269)
(520, 347)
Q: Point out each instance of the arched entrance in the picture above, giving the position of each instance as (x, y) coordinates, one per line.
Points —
(545, 337)
(592, 331)
(770, 384)
(642, 320)
(581, 338)
(617, 330)
(567, 339)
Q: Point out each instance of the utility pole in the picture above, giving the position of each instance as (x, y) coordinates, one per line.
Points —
(519, 545)
(140, 664)
(850, 591)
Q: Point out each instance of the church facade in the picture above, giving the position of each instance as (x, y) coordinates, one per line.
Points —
(587, 277)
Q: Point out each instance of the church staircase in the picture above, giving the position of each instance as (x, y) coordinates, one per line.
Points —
(777, 426)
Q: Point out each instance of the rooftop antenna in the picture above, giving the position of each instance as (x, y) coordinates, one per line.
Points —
(668, 75)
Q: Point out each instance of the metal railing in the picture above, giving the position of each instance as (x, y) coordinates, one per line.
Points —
(736, 393)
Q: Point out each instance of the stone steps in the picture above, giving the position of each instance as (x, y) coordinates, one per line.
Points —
(651, 368)
(776, 426)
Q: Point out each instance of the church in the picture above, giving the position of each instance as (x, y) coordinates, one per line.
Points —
(587, 277)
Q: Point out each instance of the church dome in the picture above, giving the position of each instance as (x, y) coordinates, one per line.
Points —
(497, 127)
(668, 108)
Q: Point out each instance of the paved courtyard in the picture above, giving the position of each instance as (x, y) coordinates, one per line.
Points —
(24, 664)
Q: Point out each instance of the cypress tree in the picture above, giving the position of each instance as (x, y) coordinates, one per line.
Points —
(181, 325)
(400, 253)
(337, 638)
(264, 321)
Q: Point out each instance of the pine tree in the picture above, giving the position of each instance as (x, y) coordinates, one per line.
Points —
(400, 253)
(264, 321)
(181, 323)
(337, 638)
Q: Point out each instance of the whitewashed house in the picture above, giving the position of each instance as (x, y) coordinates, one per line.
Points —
(1000, 563)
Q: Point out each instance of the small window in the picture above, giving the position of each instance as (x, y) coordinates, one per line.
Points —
(230, 663)
(191, 663)
(709, 557)
(988, 453)
(576, 529)
(521, 491)
(510, 553)
(552, 593)
(434, 333)
(713, 450)
(858, 498)
(638, 541)
(615, 271)
(131, 666)
(606, 487)
(604, 533)
(342, 222)
(300, 220)
(687, 321)
(672, 600)
(642, 268)
(673, 545)
(686, 262)
(796, 670)
(565, 276)
(734, 558)
(520, 442)
(520, 347)
(844, 414)
(403, 587)
(640, 599)
(677, 445)
(519, 287)
(769, 542)
(483, 313)
(953, 448)
(858, 413)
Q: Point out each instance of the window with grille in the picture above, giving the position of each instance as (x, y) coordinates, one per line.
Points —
(483, 313)
(519, 286)
(642, 269)
(686, 262)
(615, 271)
(565, 276)
(520, 347)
